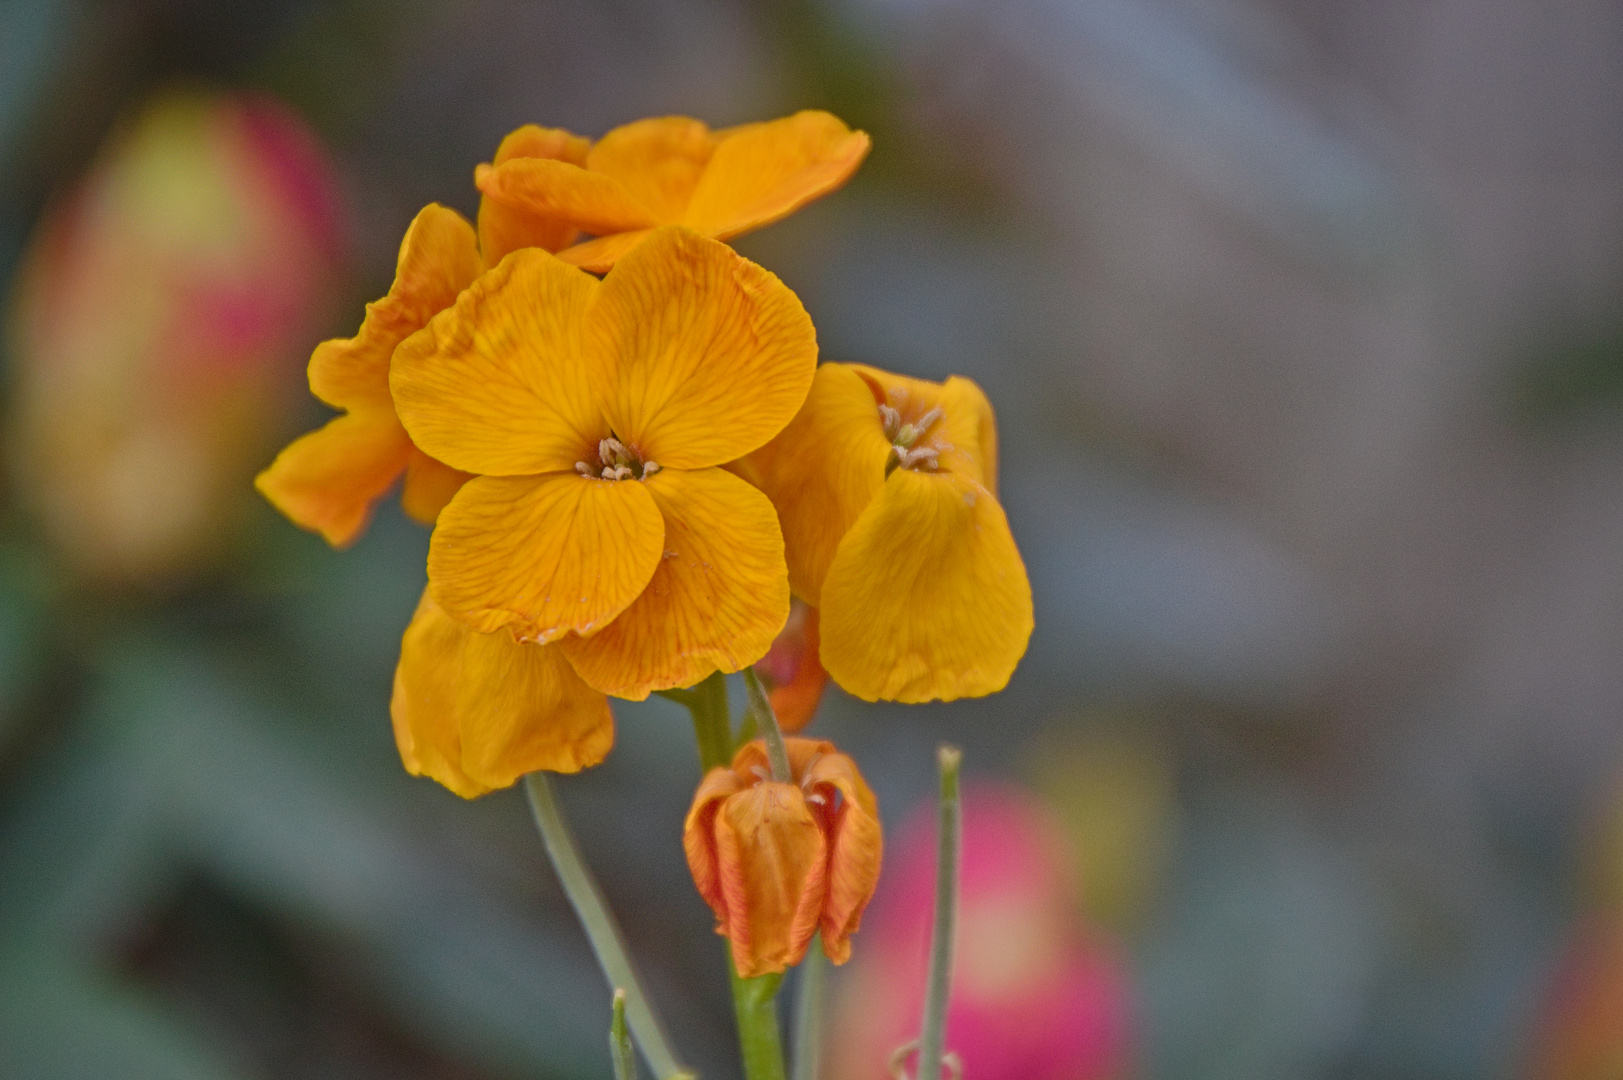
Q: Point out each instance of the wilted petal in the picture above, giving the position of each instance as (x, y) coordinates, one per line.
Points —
(773, 861)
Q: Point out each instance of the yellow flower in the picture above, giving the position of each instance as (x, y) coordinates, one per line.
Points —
(477, 711)
(886, 489)
(329, 480)
(675, 170)
(777, 862)
(596, 415)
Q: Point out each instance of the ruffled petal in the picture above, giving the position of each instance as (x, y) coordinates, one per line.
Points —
(590, 201)
(659, 162)
(544, 555)
(429, 486)
(711, 354)
(927, 596)
(503, 227)
(477, 711)
(439, 257)
(600, 255)
(327, 481)
(763, 172)
(497, 385)
(715, 602)
(774, 864)
(822, 471)
(855, 850)
(699, 837)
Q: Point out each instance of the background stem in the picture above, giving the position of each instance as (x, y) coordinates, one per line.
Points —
(933, 1033)
(599, 924)
(625, 1066)
(808, 1045)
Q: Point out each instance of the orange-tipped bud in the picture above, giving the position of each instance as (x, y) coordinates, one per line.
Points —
(791, 670)
(779, 861)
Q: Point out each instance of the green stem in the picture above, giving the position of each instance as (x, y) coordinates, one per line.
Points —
(625, 1066)
(753, 999)
(766, 721)
(756, 1007)
(809, 1014)
(599, 924)
(933, 1033)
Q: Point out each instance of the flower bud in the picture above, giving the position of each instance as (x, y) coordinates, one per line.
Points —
(779, 861)
(792, 673)
(157, 328)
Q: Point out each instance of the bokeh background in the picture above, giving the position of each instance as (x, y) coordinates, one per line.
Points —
(1302, 320)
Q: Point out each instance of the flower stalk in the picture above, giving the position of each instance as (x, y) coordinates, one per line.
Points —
(766, 723)
(932, 1034)
(625, 1066)
(601, 929)
(808, 1046)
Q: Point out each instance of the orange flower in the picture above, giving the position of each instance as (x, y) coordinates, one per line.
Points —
(791, 670)
(596, 415)
(779, 861)
(676, 171)
(477, 711)
(329, 480)
(886, 490)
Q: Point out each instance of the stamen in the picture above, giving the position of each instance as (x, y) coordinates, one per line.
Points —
(605, 451)
(649, 468)
(760, 771)
(919, 454)
(585, 470)
(907, 436)
(892, 421)
(608, 472)
(927, 419)
(817, 797)
(622, 472)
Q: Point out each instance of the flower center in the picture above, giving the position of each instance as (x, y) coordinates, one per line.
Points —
(907, 446)
(616, 461)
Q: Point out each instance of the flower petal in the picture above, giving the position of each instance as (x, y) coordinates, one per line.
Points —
(429, 486)
(855, 850)
(822, 471)
(773, 862)
(504, 227)
(659, 161)
(477, 711)
(544, 554)
(711, 354)
(497, 385)
(792, 670)
(971, 423)
(327, 481)
(600, 255)
(699, 837)
(717, 599)
(927, 596)
(763, 172)
(592, 202)
(439, 257)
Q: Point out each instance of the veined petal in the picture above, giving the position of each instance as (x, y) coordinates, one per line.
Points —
(659, 161)
(855, 849)
(971, 423)
(476, 711)
(822, 471)
(504, 227)
(590, 201)
(714, 603)
(497, 385)
(439, 257)
(927, 596)
(711, 355)
(699, 837)
(429, 486)
(544, 554)
(327, 481)
(774, 865)
(763, 172)
(600, 255)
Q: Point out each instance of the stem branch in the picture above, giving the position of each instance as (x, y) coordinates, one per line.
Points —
(766, 721)
(933, 1033)
(809, 1014)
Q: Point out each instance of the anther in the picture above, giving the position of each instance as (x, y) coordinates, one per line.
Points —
(761, 772)
(608, 472)
(649, 468)
(585, 470)
(892, 421)
(622, 472)
(927, 419)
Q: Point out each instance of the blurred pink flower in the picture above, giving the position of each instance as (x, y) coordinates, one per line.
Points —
(1036, 995)
(1580, 1030)
(158, 330)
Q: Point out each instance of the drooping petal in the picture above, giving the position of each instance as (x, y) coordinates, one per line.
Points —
(544, 555)
(711, 355)
(927, 596)
(855, 850)
(659, 161)
(477, 711)
(328, 480)
(822, 471)
(773, 861)
(714, 603)
(504, 227)
(497, 385)
(590, 201)
(600, 255)
(699, 837)
(438, 258)
(761, 173)
(429, 486)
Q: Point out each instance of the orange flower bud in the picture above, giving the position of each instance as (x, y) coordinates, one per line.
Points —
(791, 670)
(779, 861)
